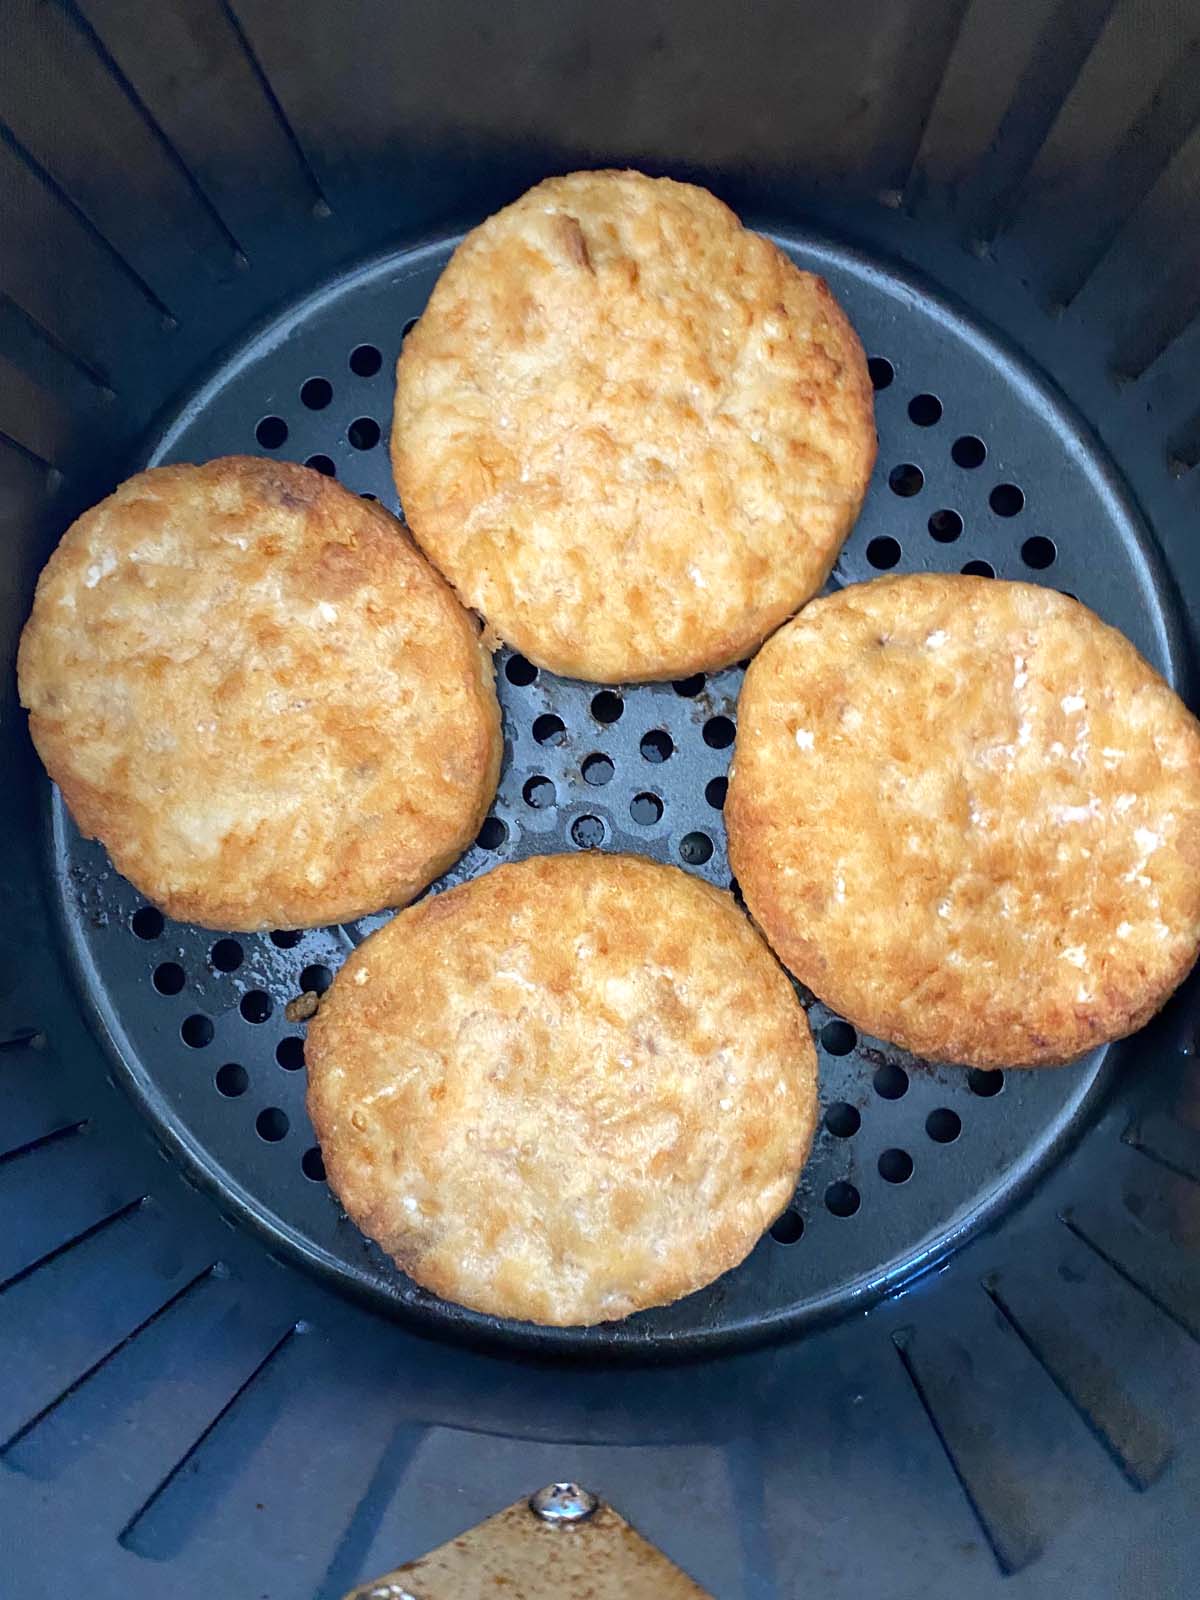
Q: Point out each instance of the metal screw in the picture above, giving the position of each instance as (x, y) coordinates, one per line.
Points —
(563, 1503)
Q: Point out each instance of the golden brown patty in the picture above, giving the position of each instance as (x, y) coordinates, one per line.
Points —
(629, 431)
(967, 814)
(259, 696)
(570, 1089)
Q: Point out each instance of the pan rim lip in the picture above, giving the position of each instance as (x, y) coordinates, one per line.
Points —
(622, 1343)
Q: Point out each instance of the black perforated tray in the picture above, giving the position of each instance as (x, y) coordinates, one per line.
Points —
(981, 469)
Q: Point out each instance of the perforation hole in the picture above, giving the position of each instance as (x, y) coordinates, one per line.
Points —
(979, 569)
(890, 1081)
(695, 848)
(408, 328)
(316, 393)
(882, 372)
(197, 1031)
(788, 1229)
(587, 832)
(843, 1120)
(271, 1124)
(519, 671)
(539, 793)
(169, 978)
(646, 809)
(322, 464)
(924, 410)
(271, 432)
(550, 729)
(1039, 552)
(943, 1125)
(838, 1038)
(607, 707)
(256, 1005)
(289, 1053)
(226, 955)
(842, 1199)
(895, 1166)
(147, 922)
(906, 480)
(315, 979)
(312, 1165)
(884, 552)
(493, 834)
(365, 361)
(719, 733)
(715, 791)
(1006, 500)
(945, 526)
(598, 770)
(286, 938)
(985, 1083)
(689, 688)
(363, 433)
(232, 1080)
(657, 746)
(968, 451)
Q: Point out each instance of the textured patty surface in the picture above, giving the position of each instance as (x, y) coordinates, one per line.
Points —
(254, 690)
(628, 430)
(572, 1088)
(967, 815)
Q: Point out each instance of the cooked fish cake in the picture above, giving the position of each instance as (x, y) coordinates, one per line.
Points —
(967, 815)
(259, 696)
(572, 1088)
(630, 431)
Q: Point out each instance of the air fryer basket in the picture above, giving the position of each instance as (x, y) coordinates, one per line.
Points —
(965, 1360)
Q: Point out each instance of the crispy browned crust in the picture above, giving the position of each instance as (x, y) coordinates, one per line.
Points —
(967, 815)
(254, 690)
(575, 1087)
(628, 430)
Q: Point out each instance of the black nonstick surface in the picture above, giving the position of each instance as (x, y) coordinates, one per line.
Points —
(982, 468)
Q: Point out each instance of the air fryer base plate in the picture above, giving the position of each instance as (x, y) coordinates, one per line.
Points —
(982, 467)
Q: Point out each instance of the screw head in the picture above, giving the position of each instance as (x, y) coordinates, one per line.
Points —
(562, 1503)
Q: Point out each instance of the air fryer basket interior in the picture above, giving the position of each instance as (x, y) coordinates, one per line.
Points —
(965, 1360)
